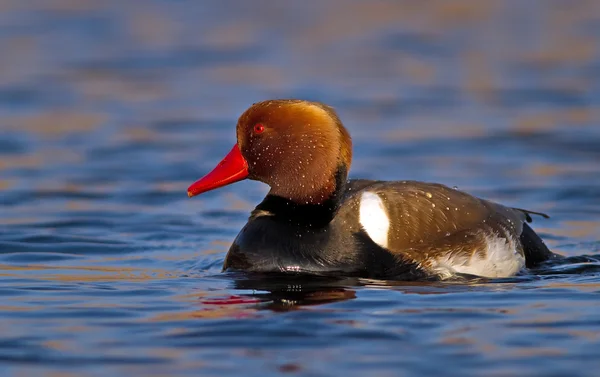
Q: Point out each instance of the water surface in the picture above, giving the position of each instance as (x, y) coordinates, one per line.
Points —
(108, 110)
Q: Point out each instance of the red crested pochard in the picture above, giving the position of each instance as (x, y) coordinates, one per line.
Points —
(316, 221)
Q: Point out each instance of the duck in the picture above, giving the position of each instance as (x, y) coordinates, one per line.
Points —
(316, 221)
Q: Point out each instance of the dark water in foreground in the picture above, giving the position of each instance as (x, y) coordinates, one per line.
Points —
(108, 110)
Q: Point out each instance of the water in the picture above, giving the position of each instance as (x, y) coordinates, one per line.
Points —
(108, 110)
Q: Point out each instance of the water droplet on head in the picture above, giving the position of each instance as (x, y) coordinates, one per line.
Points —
(428, 194)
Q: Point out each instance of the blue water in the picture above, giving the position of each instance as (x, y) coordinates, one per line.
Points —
(109, 110)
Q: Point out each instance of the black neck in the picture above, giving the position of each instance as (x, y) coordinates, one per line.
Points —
(309, 215)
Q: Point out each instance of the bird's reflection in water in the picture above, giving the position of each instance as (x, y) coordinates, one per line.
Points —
(280, 292)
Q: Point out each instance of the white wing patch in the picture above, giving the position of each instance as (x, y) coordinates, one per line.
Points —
(502, 259)
(373, 218)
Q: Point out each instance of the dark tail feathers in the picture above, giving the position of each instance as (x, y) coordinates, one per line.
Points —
(534, 248)
(528, 214)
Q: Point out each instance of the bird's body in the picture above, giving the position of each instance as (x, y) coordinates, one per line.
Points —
(402, 229)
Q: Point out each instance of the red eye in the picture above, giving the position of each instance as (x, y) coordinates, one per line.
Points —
(259, 128)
